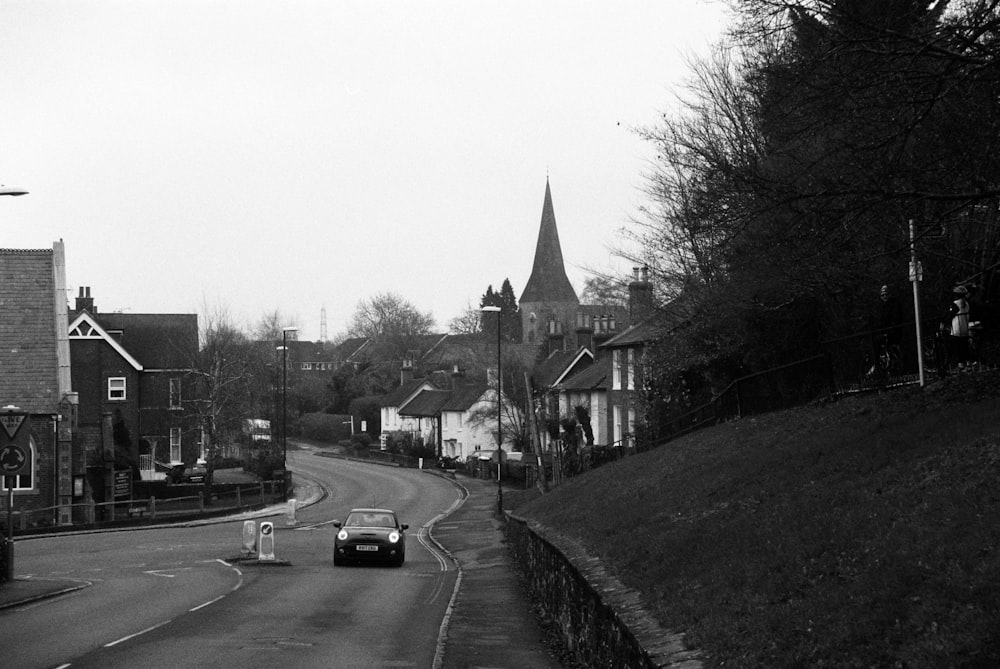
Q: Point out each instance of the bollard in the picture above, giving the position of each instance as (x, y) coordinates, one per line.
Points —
(266, 552)
(249, 537)
(291, 512)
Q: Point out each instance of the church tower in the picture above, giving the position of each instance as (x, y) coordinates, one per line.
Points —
(548, 304)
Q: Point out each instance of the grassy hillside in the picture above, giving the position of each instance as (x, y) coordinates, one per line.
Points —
(858, 533)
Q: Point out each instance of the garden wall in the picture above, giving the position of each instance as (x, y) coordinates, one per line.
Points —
(600, 622)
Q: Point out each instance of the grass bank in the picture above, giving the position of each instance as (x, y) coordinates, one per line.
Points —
(856, 533)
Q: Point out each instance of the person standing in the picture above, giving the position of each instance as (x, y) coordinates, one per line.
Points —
(958, 311)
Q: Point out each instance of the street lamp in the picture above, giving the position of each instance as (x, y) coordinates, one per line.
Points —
(497, 310)
(284, 392)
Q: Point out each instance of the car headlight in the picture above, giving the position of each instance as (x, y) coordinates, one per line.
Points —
(342, 535)
(393, 537)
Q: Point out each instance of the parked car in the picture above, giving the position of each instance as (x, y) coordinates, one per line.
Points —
(370, 535)
(181, 473)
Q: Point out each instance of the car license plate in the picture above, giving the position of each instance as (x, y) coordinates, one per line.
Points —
(367, 547)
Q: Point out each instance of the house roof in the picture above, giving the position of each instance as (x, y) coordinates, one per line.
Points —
(548, 281)
(157, 341)
(463, 397)
(594, 377)
(426, 403)
(29, 359)
(637, 334)
(559, 364)
(398, 396)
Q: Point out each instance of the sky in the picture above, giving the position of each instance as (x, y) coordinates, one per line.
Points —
(246, 157)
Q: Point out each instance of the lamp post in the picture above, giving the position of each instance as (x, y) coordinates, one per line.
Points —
(8, 542)
(497, 311)
(284, 393)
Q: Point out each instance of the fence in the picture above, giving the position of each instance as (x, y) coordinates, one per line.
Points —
(866, 361)
(146, 510)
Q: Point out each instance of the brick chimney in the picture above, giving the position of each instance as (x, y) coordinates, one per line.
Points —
(585, 330)
(457, 378)
(406, 372)
(605, 327)
(640, 296)
(84, 302)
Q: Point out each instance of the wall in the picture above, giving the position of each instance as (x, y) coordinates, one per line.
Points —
(600, 622)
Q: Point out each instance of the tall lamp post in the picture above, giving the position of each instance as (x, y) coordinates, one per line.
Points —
(284, 393)
(8, 542)
(497, 310)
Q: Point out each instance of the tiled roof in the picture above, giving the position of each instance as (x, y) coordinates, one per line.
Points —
(637, 334)
(427, 403)
(463, 397)
(594, 377)
(158, 341)
(550, 370)
(29, 367)
(398, 395)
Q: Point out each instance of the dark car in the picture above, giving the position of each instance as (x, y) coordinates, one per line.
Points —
(370, 535)
(181, 473)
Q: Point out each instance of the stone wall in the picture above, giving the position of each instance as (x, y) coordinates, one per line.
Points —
(601, 622)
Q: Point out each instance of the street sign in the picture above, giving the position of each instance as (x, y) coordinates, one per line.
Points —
(13, 460)
(15, 442)
(266, 551)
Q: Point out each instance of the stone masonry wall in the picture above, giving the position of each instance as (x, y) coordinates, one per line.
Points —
(601, 622)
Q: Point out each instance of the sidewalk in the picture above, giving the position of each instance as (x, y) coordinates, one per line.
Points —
(490, 623)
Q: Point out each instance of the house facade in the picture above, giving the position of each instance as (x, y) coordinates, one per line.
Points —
(138, 370)
(35, 381)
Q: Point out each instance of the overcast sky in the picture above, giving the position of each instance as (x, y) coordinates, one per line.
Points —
(293, 155)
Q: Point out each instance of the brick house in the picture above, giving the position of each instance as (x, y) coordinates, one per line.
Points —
(34, 376)
(139, 370)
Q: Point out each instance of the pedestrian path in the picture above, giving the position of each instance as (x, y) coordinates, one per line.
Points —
(490, 624)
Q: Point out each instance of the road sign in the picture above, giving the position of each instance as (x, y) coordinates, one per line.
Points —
(266, 551)
(13, 460)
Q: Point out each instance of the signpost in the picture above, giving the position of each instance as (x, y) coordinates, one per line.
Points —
(15, 460)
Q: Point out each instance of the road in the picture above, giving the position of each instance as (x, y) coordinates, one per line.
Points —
(174, 597)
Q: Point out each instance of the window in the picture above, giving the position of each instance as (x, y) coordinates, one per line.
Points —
(24, 481)
(630, 369)
(631, 427)
(444, 418)
(616, 369)
(175, 393)
(307, 366)
(116, 388)
(175, 444)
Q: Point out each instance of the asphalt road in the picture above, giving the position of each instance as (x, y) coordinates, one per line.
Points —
(175, 597)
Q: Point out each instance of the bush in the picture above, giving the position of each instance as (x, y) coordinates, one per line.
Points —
(326, 427)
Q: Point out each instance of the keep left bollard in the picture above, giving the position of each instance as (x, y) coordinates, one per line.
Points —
(266, 553)
(290, 521)
(249, 537)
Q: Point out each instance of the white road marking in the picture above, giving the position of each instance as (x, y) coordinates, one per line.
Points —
(132, 636)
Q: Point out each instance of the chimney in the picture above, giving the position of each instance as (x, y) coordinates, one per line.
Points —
(406, 372)
(457, 378)
(585, 331)
(84, 302)
(640, 296)
(605, 328)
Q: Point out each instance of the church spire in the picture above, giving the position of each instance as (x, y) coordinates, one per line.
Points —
(548, 282)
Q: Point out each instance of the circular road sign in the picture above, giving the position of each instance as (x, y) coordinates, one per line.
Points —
(13, 460)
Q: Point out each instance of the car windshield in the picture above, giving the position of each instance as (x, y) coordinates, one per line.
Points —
(370, 519)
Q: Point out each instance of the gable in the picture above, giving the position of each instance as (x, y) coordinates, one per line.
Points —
(85, 327)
